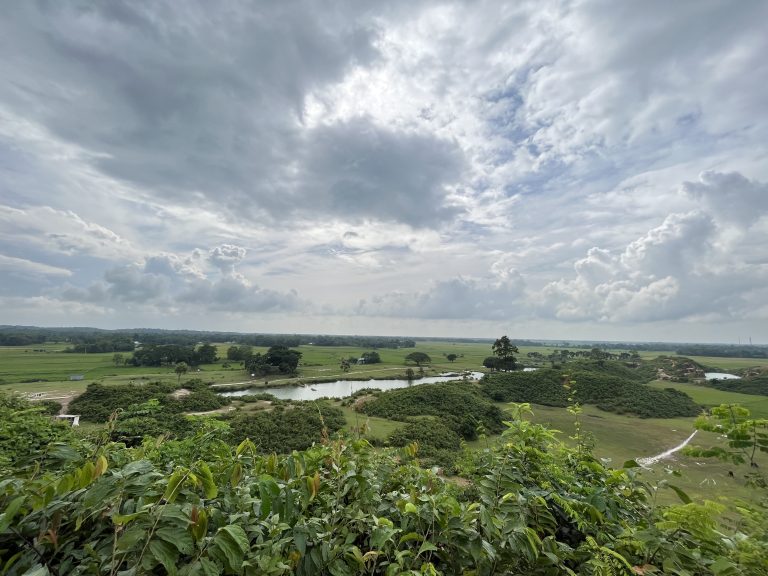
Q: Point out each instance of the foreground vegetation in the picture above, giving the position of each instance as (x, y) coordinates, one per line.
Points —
(205, 505)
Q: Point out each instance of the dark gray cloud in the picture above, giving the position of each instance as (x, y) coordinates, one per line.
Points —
(206, 105)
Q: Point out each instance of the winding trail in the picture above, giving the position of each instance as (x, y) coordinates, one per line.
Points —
(651, 460)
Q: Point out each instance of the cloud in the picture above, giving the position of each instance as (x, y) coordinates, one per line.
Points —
(172, 284)
(679, 269)
(455, 298)
(226, 257)
(733, 198)
(20, 266)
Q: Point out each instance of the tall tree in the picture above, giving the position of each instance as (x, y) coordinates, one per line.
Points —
(505, 351)
(181, 369)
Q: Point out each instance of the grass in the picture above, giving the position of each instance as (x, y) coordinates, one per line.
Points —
(621, 438)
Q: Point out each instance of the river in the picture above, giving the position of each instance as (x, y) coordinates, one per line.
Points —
(343, 388)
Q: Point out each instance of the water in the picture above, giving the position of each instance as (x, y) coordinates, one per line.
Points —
(720, 376)
(343, 388)
(530, 369)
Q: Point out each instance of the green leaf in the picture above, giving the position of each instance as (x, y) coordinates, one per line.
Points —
(723, 566)
(680, 494)
(232, 542)
(10, 512)
(206, 477)
(178, 538)
(411, 536)
(174, 485)
(165, 553)
(122, 519)
(37, 570)
(411, 508)
(425, 547)
(238, 536)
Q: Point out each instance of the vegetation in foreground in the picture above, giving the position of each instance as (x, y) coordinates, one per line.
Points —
(529, 505)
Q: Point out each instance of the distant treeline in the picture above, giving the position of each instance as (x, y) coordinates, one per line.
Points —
(95, 340)
(723, 351)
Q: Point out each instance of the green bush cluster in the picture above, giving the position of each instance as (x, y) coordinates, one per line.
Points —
(460, 405)
(99, 402)
(596, 386)
(757, 385)
(286, 428)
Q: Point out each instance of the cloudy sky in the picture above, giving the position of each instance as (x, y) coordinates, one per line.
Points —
(574, 170)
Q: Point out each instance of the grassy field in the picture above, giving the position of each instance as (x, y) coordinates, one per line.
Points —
(621, 438)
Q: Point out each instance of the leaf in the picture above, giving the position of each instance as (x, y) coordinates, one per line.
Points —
(425, 547)
(179, 539)
(165, 553)
(101, 466)
(239, 536)
(174, 485)
(411, 508)
(722, 566)
(206, 477)
(122, 519)
(200, 526)
(411, 536)
(300, 540)
(237, 474)
(10, 512)
(680, 494)
(37, 570)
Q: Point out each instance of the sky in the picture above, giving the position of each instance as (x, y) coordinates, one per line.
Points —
(544, 169)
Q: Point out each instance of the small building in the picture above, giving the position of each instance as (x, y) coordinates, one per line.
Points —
(76, 376)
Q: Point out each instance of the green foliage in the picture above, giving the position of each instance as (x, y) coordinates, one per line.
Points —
(198, 506)
(99, 402)
(371, 357)
(460, 405)
(277, 360)
(504, 351)
(26, 431)
(427, 432)
(283, 429)
(746, 437)
(757, 385)
(595, 386)
(418, 358)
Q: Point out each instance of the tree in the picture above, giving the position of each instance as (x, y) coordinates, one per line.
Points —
(451, 357)
(206, 354)
(371, 357)
(492, 363)
(181, 369)
(118, 359)
(344, 365)
(505, 351)
(418, 358)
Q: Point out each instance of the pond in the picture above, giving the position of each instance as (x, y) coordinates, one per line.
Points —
(343, 388)
(720, 376)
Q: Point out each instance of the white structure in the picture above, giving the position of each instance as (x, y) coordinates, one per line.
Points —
(74, 417)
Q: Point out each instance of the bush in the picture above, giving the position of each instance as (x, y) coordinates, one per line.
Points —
(592, 386)
(284, 429)
(460, 404)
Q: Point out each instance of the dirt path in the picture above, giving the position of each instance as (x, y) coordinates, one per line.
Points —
(651, 460)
